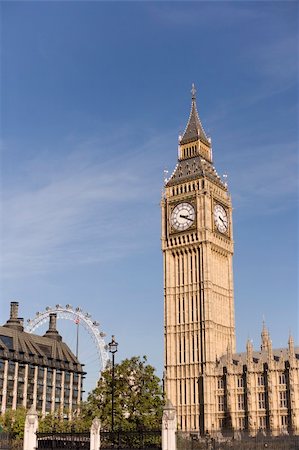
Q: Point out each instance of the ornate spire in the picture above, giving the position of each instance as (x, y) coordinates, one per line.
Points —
(249, 348)
(265, 337)
(194, 129)
(291, 346)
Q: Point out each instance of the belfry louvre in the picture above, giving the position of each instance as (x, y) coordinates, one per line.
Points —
(213, 388)
(37, 370)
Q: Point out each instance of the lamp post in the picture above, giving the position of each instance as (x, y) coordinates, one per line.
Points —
(112, 349)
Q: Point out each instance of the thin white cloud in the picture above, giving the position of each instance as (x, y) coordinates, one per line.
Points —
(195, 14)
(77, 210)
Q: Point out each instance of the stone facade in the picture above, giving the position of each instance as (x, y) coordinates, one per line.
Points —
(38, 372)
(212, 388)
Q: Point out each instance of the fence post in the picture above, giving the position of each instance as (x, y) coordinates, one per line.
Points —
(31, 425)
(169, 427)
(95, 441)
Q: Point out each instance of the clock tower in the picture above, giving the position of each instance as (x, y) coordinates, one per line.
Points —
(197, 245)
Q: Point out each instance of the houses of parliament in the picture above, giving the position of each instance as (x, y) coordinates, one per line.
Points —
(212, 387)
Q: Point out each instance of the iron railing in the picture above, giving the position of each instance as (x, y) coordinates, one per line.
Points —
(242, 441)
(73, 441)
(142, 439)
(121, 440)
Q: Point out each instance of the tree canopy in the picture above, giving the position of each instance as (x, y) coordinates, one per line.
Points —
(138, 397)
(138, 403)
(13, 421)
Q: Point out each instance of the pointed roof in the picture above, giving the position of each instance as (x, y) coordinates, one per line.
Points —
(191, 169)
(194, 129)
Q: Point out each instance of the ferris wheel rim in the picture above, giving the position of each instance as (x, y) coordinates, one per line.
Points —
(70, 313)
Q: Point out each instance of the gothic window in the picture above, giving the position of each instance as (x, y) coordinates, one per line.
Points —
(221, 422)
(262, 422)
(180, 350)
(179, 310)
(241, 423)
(261, 380)
(183, 309)
(240, 382)
(197, 344)
(220, 402)
(261, 400)
(284, 420)
(193, 348)
(282, 378)
(220, 383)
(195, 422)
(241, 402)
(196, 308)
(183, 349)
(185, 392)
(283, 399)
(193, 308)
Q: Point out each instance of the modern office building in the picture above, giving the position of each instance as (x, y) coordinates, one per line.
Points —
(38, 370)
(213, 388)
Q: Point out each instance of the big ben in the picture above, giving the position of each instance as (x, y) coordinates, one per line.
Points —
(197, 245)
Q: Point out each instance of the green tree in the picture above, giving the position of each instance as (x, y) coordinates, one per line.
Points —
(13, 421)
(138, 398)
(55, 423)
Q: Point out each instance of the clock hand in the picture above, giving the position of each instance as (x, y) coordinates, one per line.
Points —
(221, 220)
(186, 217)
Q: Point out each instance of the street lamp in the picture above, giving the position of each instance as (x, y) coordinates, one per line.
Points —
(112, 349)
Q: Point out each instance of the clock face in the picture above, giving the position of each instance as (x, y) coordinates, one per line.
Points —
(182, 216)
(220, 218)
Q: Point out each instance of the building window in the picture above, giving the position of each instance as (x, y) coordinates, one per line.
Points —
(282, 378)
(221, 423)
(220, 402)
(284, 420)
(240, 382)
(241, 423)
(241, 402)
(262, 423)
(261, 400)
(283, 399)
(220, 383)
(261, 380)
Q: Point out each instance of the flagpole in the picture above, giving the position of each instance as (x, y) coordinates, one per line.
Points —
(77, 343)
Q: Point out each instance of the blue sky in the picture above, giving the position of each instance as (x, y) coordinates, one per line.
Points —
(93, 98)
